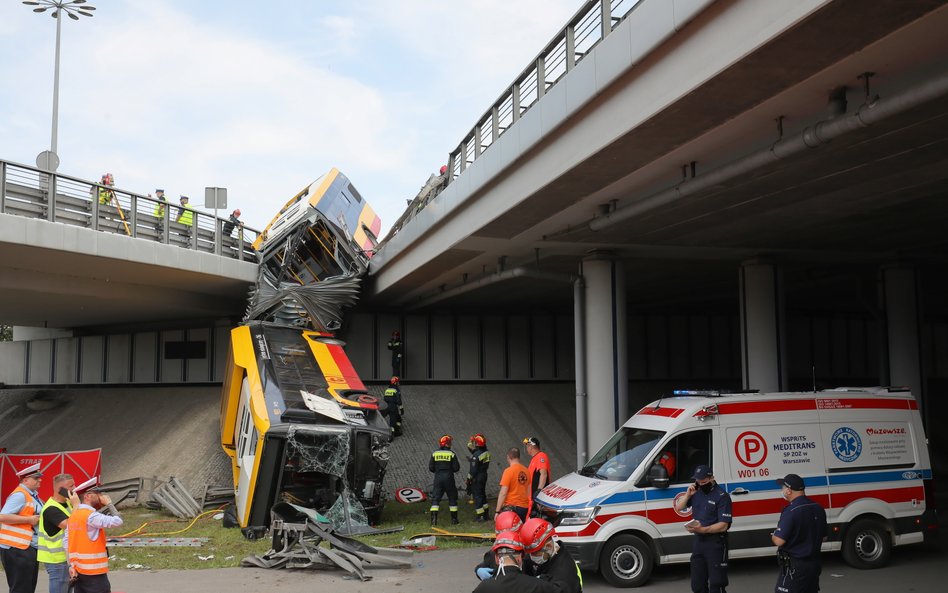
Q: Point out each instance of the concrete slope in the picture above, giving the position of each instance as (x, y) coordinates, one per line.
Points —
(504, 413)
(164, 431)
(142, 431)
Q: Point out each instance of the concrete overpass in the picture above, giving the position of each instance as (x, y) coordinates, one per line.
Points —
(782, 164)
(72, 262)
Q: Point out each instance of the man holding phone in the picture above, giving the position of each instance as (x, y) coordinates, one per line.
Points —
(88, 558)
(51, 549)
(711, 509)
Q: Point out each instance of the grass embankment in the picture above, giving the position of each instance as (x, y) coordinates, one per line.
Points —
(228, 546)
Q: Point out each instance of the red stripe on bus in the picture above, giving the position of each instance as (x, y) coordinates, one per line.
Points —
(667, 412)
(345, 367)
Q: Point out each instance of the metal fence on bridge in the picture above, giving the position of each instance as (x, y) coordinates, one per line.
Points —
(34, 193)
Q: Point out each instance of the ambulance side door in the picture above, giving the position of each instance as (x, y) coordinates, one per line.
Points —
(688, 450)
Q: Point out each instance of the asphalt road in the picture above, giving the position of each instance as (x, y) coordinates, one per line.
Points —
(913, 569)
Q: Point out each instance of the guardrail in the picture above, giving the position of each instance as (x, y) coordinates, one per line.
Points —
(592, 23)
(34, 193)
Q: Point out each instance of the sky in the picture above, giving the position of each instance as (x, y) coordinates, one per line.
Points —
(263, 97)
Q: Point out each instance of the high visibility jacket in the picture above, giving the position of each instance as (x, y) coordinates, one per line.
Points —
(186, 217)
(50, 548)
(20, 535)
(88, 556)
(159, 210)
(443, 461)
(105, 195)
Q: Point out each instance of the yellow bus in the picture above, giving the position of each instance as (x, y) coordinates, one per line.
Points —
(299, 425)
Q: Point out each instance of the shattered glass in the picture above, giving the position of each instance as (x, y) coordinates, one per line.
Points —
(319, 449)
(337, 513)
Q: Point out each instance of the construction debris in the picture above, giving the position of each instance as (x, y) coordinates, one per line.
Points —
(298, 533)
(161, 542)
(173, 496)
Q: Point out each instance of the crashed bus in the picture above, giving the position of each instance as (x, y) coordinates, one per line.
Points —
(296, 420)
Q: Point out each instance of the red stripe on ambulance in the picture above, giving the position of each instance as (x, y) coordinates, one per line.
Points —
(653, 411)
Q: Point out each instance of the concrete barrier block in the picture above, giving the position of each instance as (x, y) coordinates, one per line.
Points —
(552, 108)
(580, 84)
(529, 127)
(648, 25)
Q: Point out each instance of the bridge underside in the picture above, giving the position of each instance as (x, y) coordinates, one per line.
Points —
(829, 215)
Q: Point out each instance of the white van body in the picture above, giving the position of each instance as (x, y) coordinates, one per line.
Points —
(862, 453)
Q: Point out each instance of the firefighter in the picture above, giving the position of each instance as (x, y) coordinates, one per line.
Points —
(477, 476)
(393, 398)
(395, 345)
(548, 559)
(506, 521)
(509, 577)
(444, 464)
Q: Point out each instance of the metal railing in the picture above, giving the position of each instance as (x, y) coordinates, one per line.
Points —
(592, 23)
(34, 193)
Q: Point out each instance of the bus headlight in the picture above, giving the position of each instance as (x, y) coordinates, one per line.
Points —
(578, 516)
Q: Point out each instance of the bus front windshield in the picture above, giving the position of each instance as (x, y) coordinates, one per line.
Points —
(624, 452)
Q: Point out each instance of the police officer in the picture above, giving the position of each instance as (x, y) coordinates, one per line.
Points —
(711, 509)
(800, 533)
(444, 464)
(393, 398)
(477, 475)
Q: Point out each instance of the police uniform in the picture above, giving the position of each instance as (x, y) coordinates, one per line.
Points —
(802, 526)
(444, 464)
(480, 462)
(393, 398)
(709, 554)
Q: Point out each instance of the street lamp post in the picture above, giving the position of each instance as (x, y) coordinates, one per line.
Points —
(73, 8)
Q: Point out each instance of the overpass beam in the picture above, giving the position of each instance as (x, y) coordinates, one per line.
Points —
(604, 316)
(902, 361)
(763, 355)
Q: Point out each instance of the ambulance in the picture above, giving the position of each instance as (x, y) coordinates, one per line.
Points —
(861, 452)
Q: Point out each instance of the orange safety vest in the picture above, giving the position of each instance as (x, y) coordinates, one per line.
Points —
(20, 535)
(87, 555)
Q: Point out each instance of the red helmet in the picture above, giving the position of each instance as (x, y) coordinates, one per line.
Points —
(508, 539)
(394, 381)
(507, 521)
(445, 441)
(479, 440)
(535, 533)
(396, 334)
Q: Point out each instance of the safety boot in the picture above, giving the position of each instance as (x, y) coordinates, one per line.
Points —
(454, 517)
(434, 517)
(487, 512)
(481, 518)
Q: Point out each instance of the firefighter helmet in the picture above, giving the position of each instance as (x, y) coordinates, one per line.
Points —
(445, 441)
(534, 534)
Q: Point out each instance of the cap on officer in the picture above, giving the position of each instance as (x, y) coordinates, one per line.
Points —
(88, 485)
(702, 472)
(791, 481)
(32, 471)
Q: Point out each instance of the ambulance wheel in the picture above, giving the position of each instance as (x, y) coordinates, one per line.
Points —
(626, 561)
(867, 544)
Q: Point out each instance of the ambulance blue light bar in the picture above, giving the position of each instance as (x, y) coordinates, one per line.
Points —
(711, 392)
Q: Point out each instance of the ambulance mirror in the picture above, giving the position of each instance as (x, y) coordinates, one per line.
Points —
(658, 476)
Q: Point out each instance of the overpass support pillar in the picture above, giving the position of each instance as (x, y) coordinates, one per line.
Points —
(607, 377)
(902, 363)
(763, 356)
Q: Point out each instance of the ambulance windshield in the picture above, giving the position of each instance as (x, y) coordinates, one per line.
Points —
(624, 452)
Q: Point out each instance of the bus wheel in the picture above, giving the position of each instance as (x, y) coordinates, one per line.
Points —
(867, 544)
(626, 561)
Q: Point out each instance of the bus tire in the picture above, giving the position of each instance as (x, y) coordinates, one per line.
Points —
(626, 561)
(867, 544)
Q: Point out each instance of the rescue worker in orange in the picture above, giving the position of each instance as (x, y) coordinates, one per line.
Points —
(514, 487)
(18, 537)
(539, 470)
(87, 556)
